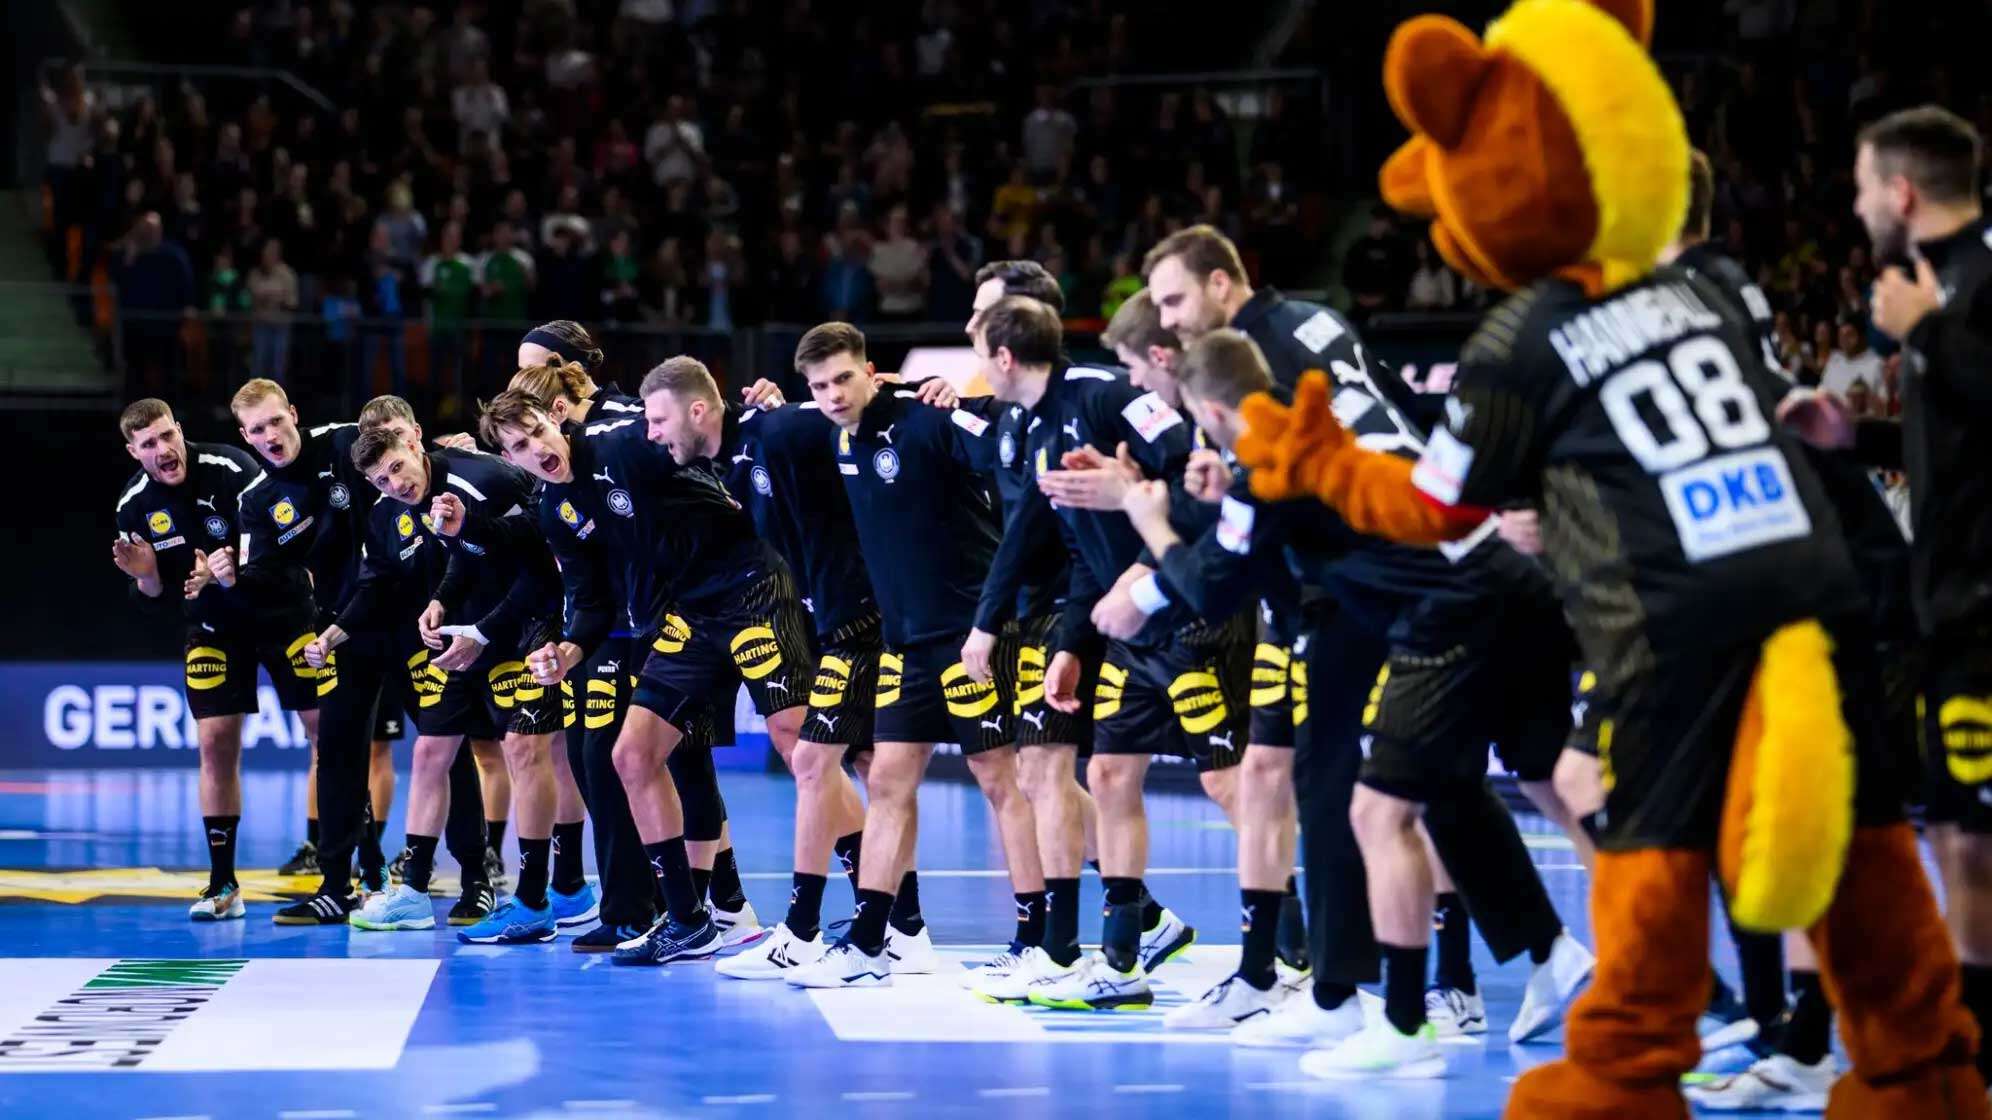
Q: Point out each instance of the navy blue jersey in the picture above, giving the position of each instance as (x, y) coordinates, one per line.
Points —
(200, 515)
(306, 517)
(1297, 336)
(780, 464)
(1874, 538)
(496, 574)
(1087, 407)
(611, 403)
(925, 517)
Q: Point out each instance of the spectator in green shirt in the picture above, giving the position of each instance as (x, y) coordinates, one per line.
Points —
(449, 279)
(505, 278)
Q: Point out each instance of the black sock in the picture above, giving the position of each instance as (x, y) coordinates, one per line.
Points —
(1120, 939)
(805, 914)
(1404, 986)
(1329, 995)
(868, 924)
(1061, 933)
(727, 893)
(221, 849)
(1260, 911)
(311, 831)
(1808, 1030)
(672, 869)
(1978, 998)
(569, 875)
(1291, 942)
(906, 905)
(1761, 957)
(1454, 933)
(702, 882)
(494, 834)
(421, 865)
(1030, 918)
(848, 849)
(533, 858)
(1151, 910)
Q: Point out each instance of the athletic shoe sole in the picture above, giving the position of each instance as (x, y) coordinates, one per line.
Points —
(395, 926)
(281, 920)
(1141, 1002)
(1171, 951)
(591, 916)
(538, 937)
(747, 940)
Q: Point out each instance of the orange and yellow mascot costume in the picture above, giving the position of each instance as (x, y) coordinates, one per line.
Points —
(1553, 148)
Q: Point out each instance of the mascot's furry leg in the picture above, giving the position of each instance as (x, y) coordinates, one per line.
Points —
(1632, 1035)
(1889, 968)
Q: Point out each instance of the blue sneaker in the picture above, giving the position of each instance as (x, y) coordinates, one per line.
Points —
(577, 909)
(513, 923)
(404, 907)
(671, 940)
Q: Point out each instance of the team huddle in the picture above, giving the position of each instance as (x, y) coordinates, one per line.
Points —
(1075, 567)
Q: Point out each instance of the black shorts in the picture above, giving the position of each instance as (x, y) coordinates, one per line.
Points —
(221, 673)
(763, 638)
(1182, 700)
(596, 693)
(925, 695)
(1586, 712)
(844, 696)
(1038, 723)
(1273, 692)
(1503, 682)
(391, 718)
(492, 698)
(1954, 716)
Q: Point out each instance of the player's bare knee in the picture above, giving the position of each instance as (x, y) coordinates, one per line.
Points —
(1377, 817)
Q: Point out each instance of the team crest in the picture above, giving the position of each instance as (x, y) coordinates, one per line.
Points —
(620, 503)
(761, 484)
(568, 514)
(161, 523)
(339, 496)
(1007, 449)
(217, 527)
(283, 513)
(886, 463)
(405, 525)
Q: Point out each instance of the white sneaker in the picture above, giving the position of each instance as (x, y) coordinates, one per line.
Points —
(1093, 985)
(1293, 981)
(1453, 1013)
(1379, 1050)
(912, 954)
(1551, 987)
(1778, 1083)
(1169, 938)
(994, 970)
(221, 905)
(738, 928)
(781, 953)
(1231, 1002)
(1299, 1022)
(844, 965)
(1011, 985)
(401, 907)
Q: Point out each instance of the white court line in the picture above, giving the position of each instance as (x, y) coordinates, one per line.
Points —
(744, 1098)
(597, 1106)
(878, 1096)
(1027, 1091)
(1148, 1088)
(1277, 1086)
(459, 1109)
(317, 1114)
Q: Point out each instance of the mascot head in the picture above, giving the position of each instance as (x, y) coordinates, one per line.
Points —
(1551, 148)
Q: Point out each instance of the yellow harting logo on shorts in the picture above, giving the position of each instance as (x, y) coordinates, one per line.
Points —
(1297, 690)
(1030, 677)
(425, 679)
(295, 654)
(966, 697)
(207, 667)
(756, 652)
(673, 637)
(1375, 703)
(1199, 701)
(599, 704)
(890, 669)
(1271, 668)
(833, 680)
(510, 685)
(1965, 722)
(1107, 693)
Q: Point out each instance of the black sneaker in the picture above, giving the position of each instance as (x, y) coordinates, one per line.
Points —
(604, 938)
(319, 910)
(671, 940)
(475, 905)
(494, 869)
(304, 861)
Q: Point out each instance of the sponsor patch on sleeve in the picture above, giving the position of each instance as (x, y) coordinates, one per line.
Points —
(969, 422)
(1441, 471)
(1234, 525)
(1149, 416)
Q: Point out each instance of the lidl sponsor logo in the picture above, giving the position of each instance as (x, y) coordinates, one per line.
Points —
(206, 1015)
